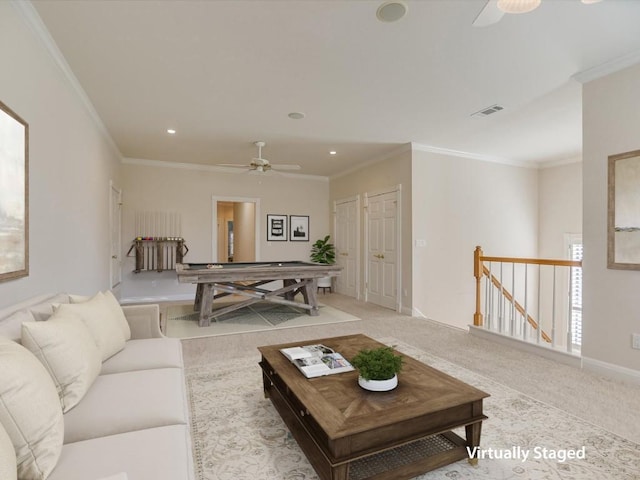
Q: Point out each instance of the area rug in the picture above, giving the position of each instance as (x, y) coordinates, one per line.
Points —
(182, 321)
(238, 435)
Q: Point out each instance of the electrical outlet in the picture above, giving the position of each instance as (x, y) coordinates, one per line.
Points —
(635, 340)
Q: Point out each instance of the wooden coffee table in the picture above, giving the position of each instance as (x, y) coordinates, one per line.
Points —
(349, 433)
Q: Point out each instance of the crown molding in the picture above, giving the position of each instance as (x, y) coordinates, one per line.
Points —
(405, 147)
(607, 68)
(30, 16)
(215, 169)
(560, 163)
(473, 156)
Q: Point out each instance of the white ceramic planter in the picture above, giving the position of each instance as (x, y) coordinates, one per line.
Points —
(324, 282)
(378, 385)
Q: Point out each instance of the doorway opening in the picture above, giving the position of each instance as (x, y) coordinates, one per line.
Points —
(235, 224)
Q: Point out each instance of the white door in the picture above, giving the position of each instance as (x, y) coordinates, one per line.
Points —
(115, 217)
(382, 249)
(346, 243)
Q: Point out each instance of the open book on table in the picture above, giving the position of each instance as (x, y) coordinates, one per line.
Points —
(317, 360)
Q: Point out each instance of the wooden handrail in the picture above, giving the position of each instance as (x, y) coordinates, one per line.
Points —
(532, 261)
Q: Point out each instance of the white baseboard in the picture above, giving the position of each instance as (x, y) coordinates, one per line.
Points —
(412, 312)
(159, 298)
(547, 352)
(611, 370)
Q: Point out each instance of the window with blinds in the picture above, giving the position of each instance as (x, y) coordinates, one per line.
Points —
(575, 293)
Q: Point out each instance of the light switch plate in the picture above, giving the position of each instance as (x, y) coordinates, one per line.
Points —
(635, 340)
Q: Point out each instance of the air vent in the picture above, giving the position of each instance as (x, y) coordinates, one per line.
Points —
(487, 111)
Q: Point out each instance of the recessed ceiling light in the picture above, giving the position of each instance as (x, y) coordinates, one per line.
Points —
(391, 11)
(332, 152)
(296, 115)
(171, 131)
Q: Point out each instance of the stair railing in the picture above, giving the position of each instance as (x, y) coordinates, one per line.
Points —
(512, 292)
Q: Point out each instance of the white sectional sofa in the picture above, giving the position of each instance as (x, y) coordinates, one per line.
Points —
(132, 422)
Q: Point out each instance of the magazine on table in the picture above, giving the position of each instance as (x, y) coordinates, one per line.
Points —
(317, 360)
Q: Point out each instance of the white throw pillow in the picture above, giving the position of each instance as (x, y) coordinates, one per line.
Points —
(118, 314)
(97, 316)
(8, 469)
(64, 345)
(29, 411)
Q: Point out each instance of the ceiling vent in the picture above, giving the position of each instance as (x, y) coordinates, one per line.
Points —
(487, 111)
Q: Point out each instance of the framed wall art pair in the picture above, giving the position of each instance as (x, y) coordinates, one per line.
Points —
(281, 228)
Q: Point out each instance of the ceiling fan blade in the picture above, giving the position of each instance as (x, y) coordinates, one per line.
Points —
(233, 165)
(285, 167)
(489, 15)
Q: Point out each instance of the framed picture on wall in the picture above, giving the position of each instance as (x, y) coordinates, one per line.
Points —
(276, 228)
(623, 220)
(14, 195)
(299, 228)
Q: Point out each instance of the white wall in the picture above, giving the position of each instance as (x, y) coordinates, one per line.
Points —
(560, 210)
(189, 191)
(70, 166)
(393, 171)
(459, 203)
(611, 309)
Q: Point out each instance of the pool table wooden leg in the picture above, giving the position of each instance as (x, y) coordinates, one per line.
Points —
(206, 304)
(310, 294)
(198, 301)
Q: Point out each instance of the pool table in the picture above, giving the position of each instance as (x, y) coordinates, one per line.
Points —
(245, 279)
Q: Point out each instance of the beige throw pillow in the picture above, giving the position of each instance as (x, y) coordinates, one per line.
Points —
(29, 411)
(118, 314)
(114, 304)
(97, 316)
(8, 469)
(64, 345)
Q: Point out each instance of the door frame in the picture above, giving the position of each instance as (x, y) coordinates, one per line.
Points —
(115, 224)
(355, 198)
(214, 222)
(397, 189)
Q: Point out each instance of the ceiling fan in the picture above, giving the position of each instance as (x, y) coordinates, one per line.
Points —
(494, 10)
(261, 165)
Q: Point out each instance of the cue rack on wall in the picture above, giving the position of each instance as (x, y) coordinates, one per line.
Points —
(158, 253)
(158, 244)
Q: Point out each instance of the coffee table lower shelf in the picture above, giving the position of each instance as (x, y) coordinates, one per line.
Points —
(410, 460)
(397, 463)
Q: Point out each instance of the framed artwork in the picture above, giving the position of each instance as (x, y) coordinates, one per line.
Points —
(14, 195)
(623, 216)
(276, 228)
(299, 228)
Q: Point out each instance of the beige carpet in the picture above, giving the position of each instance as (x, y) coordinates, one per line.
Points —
(238, 435)
(182, 321)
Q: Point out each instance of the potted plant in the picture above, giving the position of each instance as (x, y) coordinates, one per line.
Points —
(323, 251)
(378, 368)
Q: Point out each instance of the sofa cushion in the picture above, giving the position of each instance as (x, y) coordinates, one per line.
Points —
(162, 453)
(29, 411)
(97, 316)
(144, 355)
(11, 327)
(8, 469)
(115, 308)
(125, 402)
(64, 345)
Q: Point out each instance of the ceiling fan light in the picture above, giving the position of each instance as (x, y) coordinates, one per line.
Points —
(589, 2)
(518, 6)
